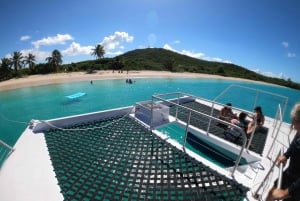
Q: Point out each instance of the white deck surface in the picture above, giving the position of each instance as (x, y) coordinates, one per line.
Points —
(27, 175)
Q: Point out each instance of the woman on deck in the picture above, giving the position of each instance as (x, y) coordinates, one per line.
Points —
(290, 188)
(260, 120)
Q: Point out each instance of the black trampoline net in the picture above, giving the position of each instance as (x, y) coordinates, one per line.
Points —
(124, 161)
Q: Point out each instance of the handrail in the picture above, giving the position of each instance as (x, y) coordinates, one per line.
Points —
(4, 154)
(186, 129)
(280, 112)
(255, 194)
(211, 117)
(285, 98)
(278, 119)
(6, 145)
(252, 134)
(158, 97)
(280, 172)
(277, 126)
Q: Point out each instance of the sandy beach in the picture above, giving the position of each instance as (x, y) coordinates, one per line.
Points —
(36, 80)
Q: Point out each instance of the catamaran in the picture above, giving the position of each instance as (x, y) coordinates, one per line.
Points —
(171, 147)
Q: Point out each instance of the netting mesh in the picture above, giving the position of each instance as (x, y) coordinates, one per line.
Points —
(124, 161)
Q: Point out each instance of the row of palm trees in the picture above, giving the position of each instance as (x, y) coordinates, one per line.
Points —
(17, 62)
(11, 66)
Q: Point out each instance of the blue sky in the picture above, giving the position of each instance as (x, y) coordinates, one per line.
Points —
(261, 35)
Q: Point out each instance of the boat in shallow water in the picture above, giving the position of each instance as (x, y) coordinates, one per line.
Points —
(172, 147)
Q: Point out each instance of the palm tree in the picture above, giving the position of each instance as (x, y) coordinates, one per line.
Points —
(30, 59)
(17, 61)
(5, 62)
(98, 51)
(55, 60)
(5, 71)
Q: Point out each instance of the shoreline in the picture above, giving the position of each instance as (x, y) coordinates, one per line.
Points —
(39, 80)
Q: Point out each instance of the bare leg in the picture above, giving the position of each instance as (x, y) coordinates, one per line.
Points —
(250, 128)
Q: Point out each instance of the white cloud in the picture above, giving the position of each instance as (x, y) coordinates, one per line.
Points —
(114, 41)
(77, 49)
(168, 47)
(291, 54)
(217, 59)
(198, 55)
(110, 43)
(40, 56)
(271, 74)
(25, 38)
(116, 53)
(54, 40)
(176, 42)
(285, 44)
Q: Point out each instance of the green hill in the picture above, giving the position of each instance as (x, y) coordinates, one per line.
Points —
(160, 59)
(164, 60)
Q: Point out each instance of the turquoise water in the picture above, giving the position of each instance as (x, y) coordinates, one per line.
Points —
(174, 131)
(18, 107)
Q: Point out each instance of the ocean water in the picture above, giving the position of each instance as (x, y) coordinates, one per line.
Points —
(18, 107)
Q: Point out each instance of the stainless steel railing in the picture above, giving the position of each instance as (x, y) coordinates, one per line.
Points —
(258, 92)
(176, 98)
(278, 119)
(210, 118)
(280, 172)
(256, 194)
(5, 151)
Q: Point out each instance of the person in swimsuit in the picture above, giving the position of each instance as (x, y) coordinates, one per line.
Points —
(226, 113)
(260, 120)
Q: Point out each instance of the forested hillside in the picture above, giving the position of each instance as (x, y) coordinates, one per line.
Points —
(157, 59)
(162, 59)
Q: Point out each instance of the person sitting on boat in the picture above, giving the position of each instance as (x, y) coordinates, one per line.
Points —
(233, 133)
(226, 113)
(241, 121)
(260, 120)
(290, 186)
